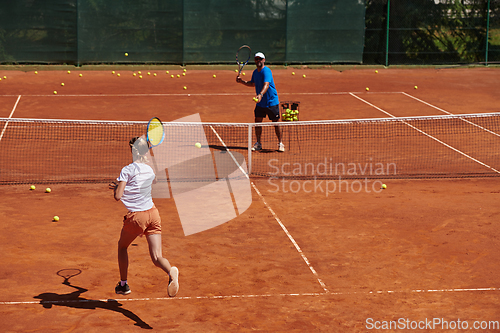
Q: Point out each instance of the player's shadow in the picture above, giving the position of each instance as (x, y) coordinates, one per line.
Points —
(73, 300)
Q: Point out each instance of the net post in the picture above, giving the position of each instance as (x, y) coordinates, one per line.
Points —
(387, 34)
(249, 149)
(487, 32)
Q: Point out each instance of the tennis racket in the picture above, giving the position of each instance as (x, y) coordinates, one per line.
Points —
(155, 132)
(242, 56)
(66, 274)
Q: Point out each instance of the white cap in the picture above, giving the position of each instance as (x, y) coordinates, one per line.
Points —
(260, 55)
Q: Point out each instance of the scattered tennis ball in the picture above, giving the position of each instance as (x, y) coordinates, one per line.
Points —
(62, 84)
(183, 74)
(56, 218)
(113, 72)
(236, 71)
(81, 75)
(384, 186)
(185, 87)
(139, 72)
(118, 74)
(178, 75)
(172, 76)
(197, 145)
(166, 72)
(149, 73)
(376, 71)
(32, 187)
(304, 75)
(214, 75)
(48, 190)
(243, 73)
(140, 76)
(154, 74)
(184, 69)
(36, 72)
(69, 72)
(293, 73)
(367, 89)
(134, 74)
(55, 92)
(126, 54)
(5, 77)
(416, 87)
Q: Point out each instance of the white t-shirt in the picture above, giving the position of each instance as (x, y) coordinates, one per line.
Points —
(137, 195)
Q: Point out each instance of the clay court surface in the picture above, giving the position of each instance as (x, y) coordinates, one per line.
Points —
(295, 261)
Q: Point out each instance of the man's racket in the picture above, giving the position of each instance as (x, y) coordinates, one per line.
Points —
(242, 56)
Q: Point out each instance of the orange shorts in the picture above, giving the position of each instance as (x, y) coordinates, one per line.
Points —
(147, 222)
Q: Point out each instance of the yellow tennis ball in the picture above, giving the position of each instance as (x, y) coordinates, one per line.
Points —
(243, 74)
(183, 74)
(62, 84)
(36, 72)
(69, 72)
(236, 71)
(32, 187)
(384, 186)
(139, 72)
(166, 72)
(185, 87)
(140, 76)
(113, 72)
(376, 71)
(214, 75)
(304, 75)
(154, 74)
(56, 218)
(197, 145)
(118, 74)
(149, 73)
(134, 74)
(172, 76)
(48, 190)
(55, 92)
(367, 89)
(5, 77)
(126, 54)
(81, 75)
(184, 69)
(416, 87)
(178, 75)
(293, 73)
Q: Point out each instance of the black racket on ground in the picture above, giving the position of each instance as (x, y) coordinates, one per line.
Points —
(66, 274)
(242, 56)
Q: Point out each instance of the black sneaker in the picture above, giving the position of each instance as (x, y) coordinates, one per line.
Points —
(122, 290)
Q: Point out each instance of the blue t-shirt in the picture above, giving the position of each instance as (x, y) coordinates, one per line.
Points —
(270, 98)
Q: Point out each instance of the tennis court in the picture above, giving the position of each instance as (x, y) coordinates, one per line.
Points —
(309, 255)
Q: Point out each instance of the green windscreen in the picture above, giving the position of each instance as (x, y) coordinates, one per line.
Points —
(180, 31)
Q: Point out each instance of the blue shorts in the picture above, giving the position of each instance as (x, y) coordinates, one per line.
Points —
(273, 112)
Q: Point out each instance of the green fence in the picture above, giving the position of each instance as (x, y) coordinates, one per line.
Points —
(287, 31)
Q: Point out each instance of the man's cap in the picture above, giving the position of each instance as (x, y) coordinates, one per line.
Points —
(260, 55)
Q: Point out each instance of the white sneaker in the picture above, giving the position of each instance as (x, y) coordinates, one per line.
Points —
(257, 146)
(281, 147)
(173, 285)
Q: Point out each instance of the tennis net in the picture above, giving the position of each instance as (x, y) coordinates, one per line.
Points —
(74, 151)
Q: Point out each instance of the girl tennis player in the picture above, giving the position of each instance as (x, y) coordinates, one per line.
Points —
(133, 188)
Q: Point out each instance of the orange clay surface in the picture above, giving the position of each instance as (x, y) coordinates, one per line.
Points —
(298, 260)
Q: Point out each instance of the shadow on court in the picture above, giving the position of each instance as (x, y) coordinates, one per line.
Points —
(73, 300)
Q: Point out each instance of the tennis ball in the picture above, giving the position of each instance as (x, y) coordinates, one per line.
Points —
(416, 87)
(172, 76)
(183, 74)
(236, 71)
(197, 145)
(69, 72)
(185, 87)
(140, 76)
(255, 99)
(154, 74)
(243, 73)
(293, 73)
(55, 92)
(62, 84)
(134, 74)
(214, 75)
(81, 75)
(376, 71)
(149, 73)
(113, 72)
(304, 75)
(166, 72)
(32, 187)
(139, 72)
(118, 74)
(384, 186)
(367, 89)
(126, 54)
(48, 190)
(56, 218)
(184, 69)
(178, 75)
(36, 72)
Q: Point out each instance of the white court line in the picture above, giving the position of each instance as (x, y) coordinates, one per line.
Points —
(225, 297)
(290, 237)
(449, 113)
(10, 116)
(191, 94)
(428, 135)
